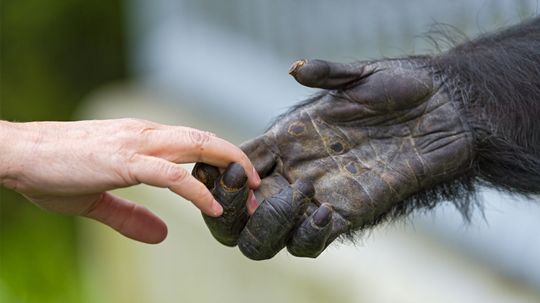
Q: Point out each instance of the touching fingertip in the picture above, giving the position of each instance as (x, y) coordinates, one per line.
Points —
(252, 203)
(159, 235)
(217, 209)
(256, 178)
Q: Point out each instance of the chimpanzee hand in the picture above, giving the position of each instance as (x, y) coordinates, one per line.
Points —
(380, 133)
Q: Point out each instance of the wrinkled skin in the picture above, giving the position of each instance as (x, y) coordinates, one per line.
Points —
(381, 132)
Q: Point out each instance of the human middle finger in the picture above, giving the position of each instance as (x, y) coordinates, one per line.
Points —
(186, 145)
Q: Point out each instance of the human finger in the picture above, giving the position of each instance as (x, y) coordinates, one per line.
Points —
(252, 203)
(266, 231)
(130, 219)
(186, 145)
(162, 173)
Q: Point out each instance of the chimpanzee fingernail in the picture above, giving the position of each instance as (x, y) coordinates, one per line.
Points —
(206, 173)
(296, 65)
(234, 176)
(322, 216)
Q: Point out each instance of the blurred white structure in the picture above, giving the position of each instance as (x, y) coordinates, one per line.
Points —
(227, 61)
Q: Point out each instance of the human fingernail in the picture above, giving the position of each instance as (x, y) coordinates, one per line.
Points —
(252, 202)
(217, 209)
(256, 176)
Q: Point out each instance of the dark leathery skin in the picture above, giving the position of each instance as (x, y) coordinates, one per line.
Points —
(371, 145)
(267, 230)
(310, 238)
(382, 132)
(231, 190)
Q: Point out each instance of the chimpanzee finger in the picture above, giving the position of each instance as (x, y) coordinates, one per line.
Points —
(340, 226)
(267, 230)
(311, 237)
(324, 74)
(231, 191)
(206, 173)
(261, 155)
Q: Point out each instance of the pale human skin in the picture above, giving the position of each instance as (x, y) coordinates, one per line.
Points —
(69, 167)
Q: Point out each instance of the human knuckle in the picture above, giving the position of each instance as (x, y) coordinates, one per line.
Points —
(132, 158)
(131, 133)
(123, 151)
(175, 174)
(123, 132)
(198, 138)
(134, 122)
(244, 158)
(126, 167)
(133, 126)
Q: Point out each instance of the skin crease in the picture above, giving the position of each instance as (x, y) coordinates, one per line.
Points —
(68, 167)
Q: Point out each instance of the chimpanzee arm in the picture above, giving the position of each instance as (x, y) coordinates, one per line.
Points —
(497, 78)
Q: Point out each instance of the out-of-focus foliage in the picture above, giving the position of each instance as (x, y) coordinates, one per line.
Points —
(52, 54)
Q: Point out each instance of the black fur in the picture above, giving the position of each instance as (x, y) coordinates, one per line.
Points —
(497, 77)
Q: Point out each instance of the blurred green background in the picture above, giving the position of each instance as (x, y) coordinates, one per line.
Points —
(52, 54)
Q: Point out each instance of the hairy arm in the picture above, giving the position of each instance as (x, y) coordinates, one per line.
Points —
(497, 78)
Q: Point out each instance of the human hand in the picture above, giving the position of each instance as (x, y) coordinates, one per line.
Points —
(68, 167)
(383, 131)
